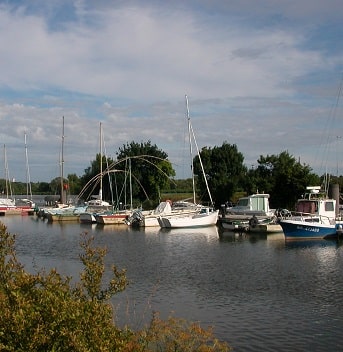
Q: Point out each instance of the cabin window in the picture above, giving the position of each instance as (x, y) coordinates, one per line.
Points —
(307, 207)
(329, 206)
(258, 203)
(244, 202)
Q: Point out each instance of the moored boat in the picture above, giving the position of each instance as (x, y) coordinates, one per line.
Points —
(207, 216)
(249, 213)
(314, 217)
(150, 218)
(66, 214)
(113, 218)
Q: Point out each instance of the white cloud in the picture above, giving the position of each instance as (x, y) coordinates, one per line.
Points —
(251, 73)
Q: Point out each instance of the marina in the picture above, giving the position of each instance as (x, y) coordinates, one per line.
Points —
(247, 286)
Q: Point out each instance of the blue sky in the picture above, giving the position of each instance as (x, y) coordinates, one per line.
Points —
(263, 75)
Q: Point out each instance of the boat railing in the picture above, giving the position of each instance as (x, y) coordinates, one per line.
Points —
(310, 217)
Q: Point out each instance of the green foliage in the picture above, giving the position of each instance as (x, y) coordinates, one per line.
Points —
(181, 186)
(223, 168)
(90, 181)
(74, 183)
(44, 311)
(149, 166)
(175, 335)
(283, 177)
(40, 188)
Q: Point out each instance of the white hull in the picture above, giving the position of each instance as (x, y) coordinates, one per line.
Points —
(193, 220)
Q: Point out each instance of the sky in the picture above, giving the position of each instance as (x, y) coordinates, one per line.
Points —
(263, 75)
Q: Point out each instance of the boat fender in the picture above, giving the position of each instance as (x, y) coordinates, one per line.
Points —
(253, 222)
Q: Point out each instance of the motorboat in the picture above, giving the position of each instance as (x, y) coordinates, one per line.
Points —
(314, 217)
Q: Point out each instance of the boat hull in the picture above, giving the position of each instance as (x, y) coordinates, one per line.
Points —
(194, 220)
(112, 219)
(266, 228)
(87, 218)
(63, 217)
(235, 225)
(294, 230)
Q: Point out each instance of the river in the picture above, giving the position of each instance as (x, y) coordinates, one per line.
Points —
(258, 292)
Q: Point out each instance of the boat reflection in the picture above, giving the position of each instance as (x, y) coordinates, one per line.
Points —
(110, 228)
(232, 236)
(303, 244)
(207, 231)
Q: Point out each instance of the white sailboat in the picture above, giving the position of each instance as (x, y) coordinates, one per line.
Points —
(206, 215)
(120, 215)
(27, 203)
(62, 210)
(7, 203)
(96, 205)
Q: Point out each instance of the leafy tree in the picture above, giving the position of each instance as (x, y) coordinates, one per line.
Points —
(224, 169)
(44, 311)
(90, 181)
(41, 188)
(74, 183)
(183, 186)
(55, 185)
(284, 178)
(150, 168)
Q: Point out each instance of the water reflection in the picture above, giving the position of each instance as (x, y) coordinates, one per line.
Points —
(231, 236)
(320, 243)
(210, 232)
(258, 291)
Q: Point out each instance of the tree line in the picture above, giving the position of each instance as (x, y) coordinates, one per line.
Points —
(142, 173)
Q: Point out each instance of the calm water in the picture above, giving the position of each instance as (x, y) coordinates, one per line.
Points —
(259, 293)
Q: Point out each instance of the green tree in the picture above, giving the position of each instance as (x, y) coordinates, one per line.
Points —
(74, 183)
(90, 181)
(150, 169)
(284, 178)
(41, 188)
(45, 311)
(224, 169)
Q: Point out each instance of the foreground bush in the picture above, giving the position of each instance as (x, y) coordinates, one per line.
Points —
(175, 335)
(46, 312)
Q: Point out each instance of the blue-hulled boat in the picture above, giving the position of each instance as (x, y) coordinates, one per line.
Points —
(314, 217)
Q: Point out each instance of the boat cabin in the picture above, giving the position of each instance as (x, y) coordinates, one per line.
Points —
(315, 202)
(255, 204)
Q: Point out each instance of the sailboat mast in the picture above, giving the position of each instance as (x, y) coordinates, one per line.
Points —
(28, 179)
(7, 176)
(100, 191)
(62, 165)
(190, 146)
(191, 134)
(130, 184)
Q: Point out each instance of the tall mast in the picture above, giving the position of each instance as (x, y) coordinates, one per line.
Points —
(191, 134)
(190, 146)
(62, 164)
(28, 180)
(100, 191)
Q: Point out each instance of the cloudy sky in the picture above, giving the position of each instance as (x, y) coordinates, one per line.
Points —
(264, 75)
